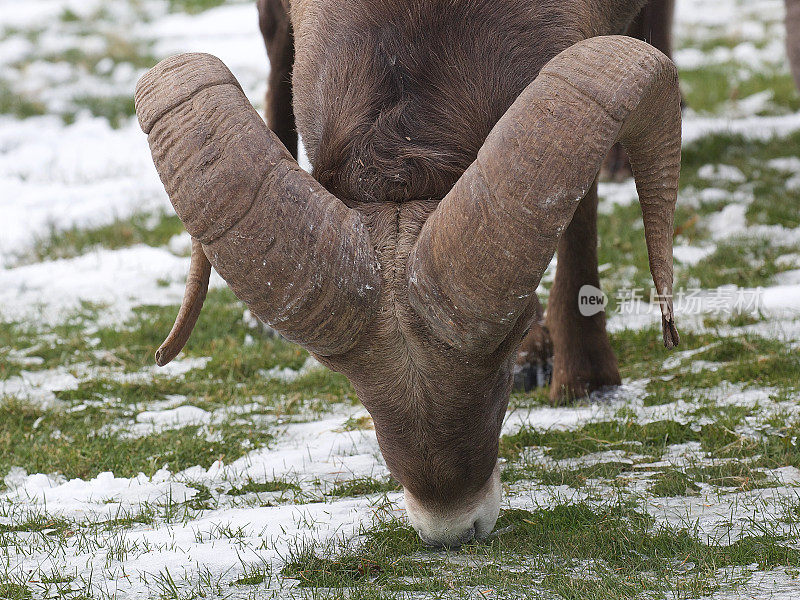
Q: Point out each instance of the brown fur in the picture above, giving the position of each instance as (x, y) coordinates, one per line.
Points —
(654, 25)
(409, 117)
(583, 360)
(276, 28)
(438, 435)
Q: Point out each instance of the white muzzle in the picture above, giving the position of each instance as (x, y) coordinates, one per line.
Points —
(474, 518)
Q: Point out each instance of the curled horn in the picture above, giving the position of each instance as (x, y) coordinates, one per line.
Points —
(481, 255)
(297, 256)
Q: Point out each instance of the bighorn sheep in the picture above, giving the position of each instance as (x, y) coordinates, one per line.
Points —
(455, 146)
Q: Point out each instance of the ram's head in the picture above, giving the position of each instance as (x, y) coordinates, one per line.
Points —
(421, 304)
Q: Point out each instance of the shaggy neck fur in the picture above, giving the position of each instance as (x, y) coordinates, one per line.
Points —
(387, 118)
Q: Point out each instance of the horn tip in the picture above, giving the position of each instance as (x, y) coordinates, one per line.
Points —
(671, 337)
(163, 357)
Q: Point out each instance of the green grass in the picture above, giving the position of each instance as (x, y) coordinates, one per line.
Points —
(673, 483)
(734, 474)
(14, 591)
(630, 540)
(141, 228)
(193, 6)
(254, 487)
(567, 550)
(745, 261)
(358, 423)
(17, 104)
(650, 438)
(706, 90)
(254, 575)
(69, 440)
(384, 556)
(80, 61)
(748, 155)
(641, 352)
(36, 523)
(364, 486)
(117, 48)
(750, 360)
(658, 394)
(760, 370)
(738, 348)
(220, 334)
(15, 338)
(75, 444)
(607, 472)
(69, 16)
(769, 449)
(116, 109)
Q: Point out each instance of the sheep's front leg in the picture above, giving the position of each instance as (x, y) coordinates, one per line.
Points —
(583, 360)
(276, 29)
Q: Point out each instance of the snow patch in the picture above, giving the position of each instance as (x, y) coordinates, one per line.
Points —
(117, 279)
(722, 173)
(287, 374)
(175, 417)
(727, 222)
(691, 255)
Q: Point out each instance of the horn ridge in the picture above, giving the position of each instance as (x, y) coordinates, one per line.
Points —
(481, 254)
(286, 246)
(184, 75)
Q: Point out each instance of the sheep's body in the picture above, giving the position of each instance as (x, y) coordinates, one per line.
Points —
(455, 144)
(394, 99)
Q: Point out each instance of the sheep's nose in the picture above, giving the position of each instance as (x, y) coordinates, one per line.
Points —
(467, 519)
(449, 541)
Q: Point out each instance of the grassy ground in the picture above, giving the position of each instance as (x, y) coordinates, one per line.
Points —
(682, 484)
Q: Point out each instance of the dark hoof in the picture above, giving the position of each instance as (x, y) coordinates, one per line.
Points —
(617, 166)
(572, 386)
(530, 376)
(534, 366)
